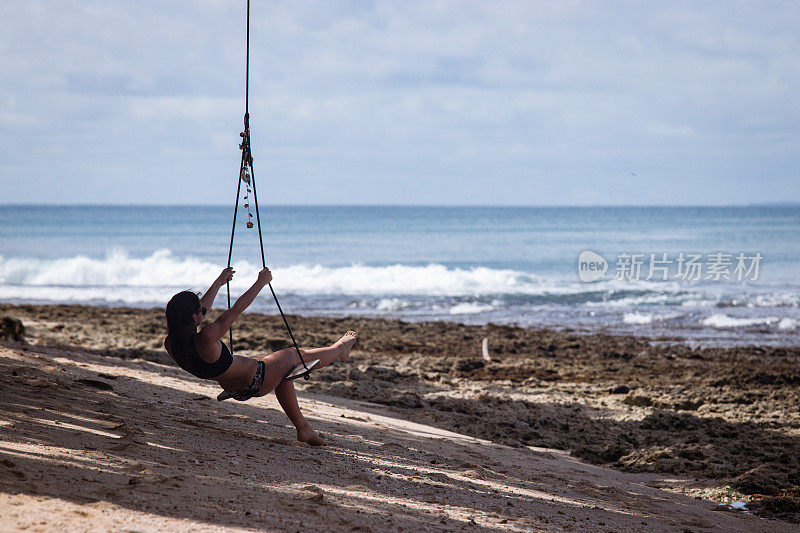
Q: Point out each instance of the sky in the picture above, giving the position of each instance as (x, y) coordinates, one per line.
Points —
(431, 102)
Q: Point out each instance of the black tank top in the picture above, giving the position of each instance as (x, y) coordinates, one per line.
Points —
(196, 365)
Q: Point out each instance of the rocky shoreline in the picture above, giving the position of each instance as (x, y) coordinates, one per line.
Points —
(723, 421)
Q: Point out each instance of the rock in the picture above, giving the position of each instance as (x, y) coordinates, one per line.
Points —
(12, 329)
(688, 405)
(638, 401)
(764, 479)
(466, 365)
(408, 398)
(780, 508)
(601, 454)
(619, 389)
(95, 384)
(317, 494)
(382, 373)
(355, 374)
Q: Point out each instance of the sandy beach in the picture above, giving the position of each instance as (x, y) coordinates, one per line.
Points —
(101, 431)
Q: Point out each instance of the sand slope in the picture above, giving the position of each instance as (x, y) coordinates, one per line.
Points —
(90, 442)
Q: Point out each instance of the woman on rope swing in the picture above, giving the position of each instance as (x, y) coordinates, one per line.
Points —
(203, 354)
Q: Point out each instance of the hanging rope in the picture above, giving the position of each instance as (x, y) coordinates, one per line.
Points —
(247, 175)
(247, 69)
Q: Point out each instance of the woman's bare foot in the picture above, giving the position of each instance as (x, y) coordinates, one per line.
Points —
(345, 344)
(310, 436)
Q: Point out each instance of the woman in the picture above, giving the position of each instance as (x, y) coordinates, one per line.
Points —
(204, 355)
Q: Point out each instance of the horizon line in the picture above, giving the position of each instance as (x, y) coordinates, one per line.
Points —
(540, 206)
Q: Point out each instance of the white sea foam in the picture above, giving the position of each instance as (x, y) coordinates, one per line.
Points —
(135, 296)
(698, 302)
(162, 269)
(637, 318)
(432, 279)
(787, 324)
(469, 308)
(391, 304)
(784, 299)
(721, 321)
(116, 269)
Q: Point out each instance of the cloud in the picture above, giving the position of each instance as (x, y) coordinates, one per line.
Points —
(187, 108)
(350, 93)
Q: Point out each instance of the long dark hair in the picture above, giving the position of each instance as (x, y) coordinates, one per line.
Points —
(180, 325)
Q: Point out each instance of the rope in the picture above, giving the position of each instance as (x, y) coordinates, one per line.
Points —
(247, 161)
(247, 68)
(230, 248)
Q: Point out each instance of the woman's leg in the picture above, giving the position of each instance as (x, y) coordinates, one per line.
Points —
(281, 362)
(288, 400)
(338, 350)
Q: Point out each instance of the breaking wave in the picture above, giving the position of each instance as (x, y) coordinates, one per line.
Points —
(118, 277)
(162, 269)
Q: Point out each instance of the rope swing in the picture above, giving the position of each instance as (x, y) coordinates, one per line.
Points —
(247, 176)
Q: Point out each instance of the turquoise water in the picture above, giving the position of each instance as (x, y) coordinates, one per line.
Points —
(467, 264)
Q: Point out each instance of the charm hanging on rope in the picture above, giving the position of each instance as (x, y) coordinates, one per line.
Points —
(245, 177)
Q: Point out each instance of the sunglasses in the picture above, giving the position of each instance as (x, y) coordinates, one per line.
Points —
(203, 311)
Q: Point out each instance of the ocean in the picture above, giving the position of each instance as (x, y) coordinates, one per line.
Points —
(712, 275)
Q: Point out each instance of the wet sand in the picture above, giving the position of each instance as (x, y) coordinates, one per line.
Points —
(558, 431)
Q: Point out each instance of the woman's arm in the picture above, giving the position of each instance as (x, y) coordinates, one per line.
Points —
(217, 329)
(208, 298)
